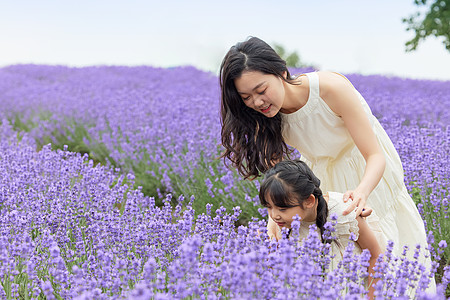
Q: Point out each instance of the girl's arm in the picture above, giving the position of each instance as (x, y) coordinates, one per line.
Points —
(367, 240)
(341, 97)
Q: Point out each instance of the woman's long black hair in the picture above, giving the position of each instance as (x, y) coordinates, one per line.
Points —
(289, 183)
(252, 141)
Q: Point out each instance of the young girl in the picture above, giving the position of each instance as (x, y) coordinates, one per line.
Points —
(290, 188)
(264, 109)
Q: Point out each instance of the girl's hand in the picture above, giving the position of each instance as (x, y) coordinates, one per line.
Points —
(273, 230)
(358, 203)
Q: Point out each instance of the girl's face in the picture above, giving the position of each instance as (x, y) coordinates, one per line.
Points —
(284, 216)
(261, 92)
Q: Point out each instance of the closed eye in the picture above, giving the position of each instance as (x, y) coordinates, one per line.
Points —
(262, 93)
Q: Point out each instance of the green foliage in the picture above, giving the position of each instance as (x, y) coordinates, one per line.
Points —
(437, 221)
(436, 22)
(148, 174)
(149, 177)
(292, 59)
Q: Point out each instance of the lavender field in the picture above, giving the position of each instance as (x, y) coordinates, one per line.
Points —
(111, 189)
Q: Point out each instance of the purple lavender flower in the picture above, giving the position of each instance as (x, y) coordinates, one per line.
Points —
(77, 229)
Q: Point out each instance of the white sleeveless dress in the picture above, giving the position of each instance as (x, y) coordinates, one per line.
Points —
(327, 147)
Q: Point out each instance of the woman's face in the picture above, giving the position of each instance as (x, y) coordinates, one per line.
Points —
(261, 92)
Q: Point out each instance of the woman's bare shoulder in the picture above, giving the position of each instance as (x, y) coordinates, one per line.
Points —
(330, 82)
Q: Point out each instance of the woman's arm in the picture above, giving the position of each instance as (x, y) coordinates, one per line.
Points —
(367, 240)
(342, 98)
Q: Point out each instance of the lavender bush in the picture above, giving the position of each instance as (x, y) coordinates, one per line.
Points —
(159, 130)
(64, 237)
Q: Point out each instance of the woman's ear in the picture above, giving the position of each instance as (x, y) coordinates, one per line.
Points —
(285, 74)
(310, 202)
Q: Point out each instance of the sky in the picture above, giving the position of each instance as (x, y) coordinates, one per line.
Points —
(347, 36)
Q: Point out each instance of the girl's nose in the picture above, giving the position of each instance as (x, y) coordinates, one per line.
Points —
(275, 216)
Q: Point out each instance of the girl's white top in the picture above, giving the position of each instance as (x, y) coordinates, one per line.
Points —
(345, 226)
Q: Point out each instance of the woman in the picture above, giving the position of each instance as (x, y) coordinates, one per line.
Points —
(264, 109)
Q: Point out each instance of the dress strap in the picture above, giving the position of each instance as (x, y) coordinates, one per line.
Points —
(313, 85)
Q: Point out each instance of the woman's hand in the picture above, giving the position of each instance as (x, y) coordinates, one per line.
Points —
(358, 203)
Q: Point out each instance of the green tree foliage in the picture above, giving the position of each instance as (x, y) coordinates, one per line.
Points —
(292, 59)
(436, 22)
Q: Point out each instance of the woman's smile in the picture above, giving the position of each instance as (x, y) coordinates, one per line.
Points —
(266, 109)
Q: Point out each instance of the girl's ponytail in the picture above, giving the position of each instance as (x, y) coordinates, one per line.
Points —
(322, 213)
(322, 205)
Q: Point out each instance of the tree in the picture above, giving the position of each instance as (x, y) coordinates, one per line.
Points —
(292, 60)
(435, 23)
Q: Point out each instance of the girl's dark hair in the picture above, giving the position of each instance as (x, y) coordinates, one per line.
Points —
(289, 183)
(252, 141)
